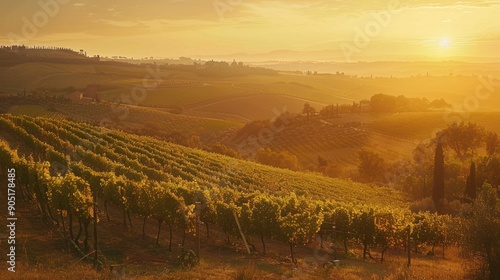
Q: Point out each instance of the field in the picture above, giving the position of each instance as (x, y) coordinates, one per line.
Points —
(117, 187)
(208, 169)
(97, 151)
(45, 255)
(203, 95)
(393, 136)
(130, 118)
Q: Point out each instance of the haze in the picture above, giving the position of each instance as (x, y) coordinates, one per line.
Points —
(404, 30)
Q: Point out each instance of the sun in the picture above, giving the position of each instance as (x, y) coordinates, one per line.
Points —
(444, 42)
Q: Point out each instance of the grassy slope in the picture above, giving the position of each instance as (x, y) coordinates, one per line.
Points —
(204, 95)
(45, 255)
(214, 170)
(136, 119)
(391, 135)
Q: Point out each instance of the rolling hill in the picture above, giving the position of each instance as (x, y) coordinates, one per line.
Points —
(215, 93)
(339, 139)
(170, 162)
(136, 119)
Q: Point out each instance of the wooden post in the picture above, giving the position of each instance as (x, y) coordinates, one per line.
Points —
(241, 232)
(409, 247)
(95, 231)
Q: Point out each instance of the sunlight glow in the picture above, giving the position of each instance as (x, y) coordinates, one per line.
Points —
(444, 42)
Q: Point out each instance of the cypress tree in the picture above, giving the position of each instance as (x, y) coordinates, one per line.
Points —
(470, 187)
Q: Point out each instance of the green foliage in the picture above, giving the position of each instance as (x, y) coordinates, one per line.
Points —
(188, 259)
(281, 159)
(265, 216)
(492, 143)
(439, 177)
(481, 230)
(308, 110)
(299, 221)
(463, 138)
(165, 205)
(487, 170)
(470, 187)
(428, 229)
(384, 103)
(371, 167)
(363, 225)
(224, 150)
(169, 179)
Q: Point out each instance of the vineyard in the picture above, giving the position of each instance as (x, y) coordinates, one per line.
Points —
(314, 138)
(71, 169)
(118, 116)
(425, 124)
(339, 140)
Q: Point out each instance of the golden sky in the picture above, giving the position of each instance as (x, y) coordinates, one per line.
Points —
(334, 30)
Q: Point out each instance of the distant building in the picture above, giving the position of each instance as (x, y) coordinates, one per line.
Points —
(75, 96)
(91, 94)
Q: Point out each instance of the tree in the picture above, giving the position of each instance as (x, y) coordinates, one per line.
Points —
(330, 111)
(322, 162)
(383, 103)
(194, 142)
(463, 138)
(371, 167)
(492, 143)
(333, 169)
(222, 149)
(438, 186)
(482, 232)
(414, 176)
(470, 186)
(487, 170)
(308, 110)
(282, 159)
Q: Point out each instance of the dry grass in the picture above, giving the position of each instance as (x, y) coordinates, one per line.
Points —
(351, 269)
(43, 254)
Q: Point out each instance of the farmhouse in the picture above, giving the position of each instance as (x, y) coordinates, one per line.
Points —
(75, 96)
(89, 96)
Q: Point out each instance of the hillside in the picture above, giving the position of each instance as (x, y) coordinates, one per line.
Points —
(19, 54)
(139, 177)
(220, 92)
(338, 140)
(171, 162)
(101, 179)
(136, 119)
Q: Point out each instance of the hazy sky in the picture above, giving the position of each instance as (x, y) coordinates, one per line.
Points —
(172, 28)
